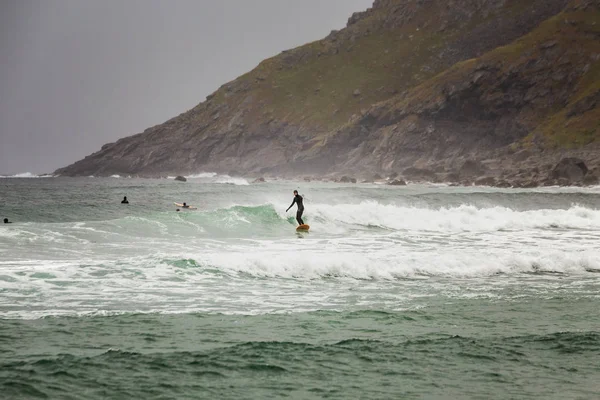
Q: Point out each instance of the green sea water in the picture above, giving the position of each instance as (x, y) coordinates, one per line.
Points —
(417, 292)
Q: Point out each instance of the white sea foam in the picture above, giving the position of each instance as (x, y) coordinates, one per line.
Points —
(26, 175)
(398, 263)
(202, 175)
(255, 283)
(452, 219)
(213, 177)
(248, 259)
(115, 176)
(231, 180)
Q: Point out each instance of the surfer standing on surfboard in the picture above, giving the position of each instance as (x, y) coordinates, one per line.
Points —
(297, 200)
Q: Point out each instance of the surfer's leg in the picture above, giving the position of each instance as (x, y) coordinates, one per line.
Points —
(299, 217)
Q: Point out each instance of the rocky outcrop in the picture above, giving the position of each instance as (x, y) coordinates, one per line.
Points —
(180, 178)
(572, 169)
(347, 179)
(409, 86)
(419, 174)
(471, 169)
(591, 180)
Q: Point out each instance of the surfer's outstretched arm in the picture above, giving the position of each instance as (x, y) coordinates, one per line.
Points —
(293, 202)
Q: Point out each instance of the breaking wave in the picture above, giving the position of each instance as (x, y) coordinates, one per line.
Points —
(26, 175)
(346, 218)
(202, 175)
(453, 219)
(213, 177)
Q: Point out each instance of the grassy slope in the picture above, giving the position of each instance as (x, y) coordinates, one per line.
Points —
(578, 31)
(319, 90)
(576, 36)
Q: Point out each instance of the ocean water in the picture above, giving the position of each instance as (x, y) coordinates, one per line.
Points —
(424, 292)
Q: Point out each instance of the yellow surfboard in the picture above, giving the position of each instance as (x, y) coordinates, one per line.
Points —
(303, 228)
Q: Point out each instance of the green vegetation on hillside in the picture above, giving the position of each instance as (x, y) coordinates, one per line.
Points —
(556, 69)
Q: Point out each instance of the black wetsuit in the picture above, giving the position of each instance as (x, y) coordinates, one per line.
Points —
(298, 200)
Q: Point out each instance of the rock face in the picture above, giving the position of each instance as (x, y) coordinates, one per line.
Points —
(419, 174)
(471, 169)
(571, 169)
(407, 84)
(347, 179)
(591, 180)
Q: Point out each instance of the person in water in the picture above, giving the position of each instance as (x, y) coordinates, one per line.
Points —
(6, 221)
(185, 205)
(125, 201)
(297, 200)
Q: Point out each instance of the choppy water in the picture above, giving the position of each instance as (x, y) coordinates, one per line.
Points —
(397, 292)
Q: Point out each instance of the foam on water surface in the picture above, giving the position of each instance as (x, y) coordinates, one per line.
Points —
(239, 252)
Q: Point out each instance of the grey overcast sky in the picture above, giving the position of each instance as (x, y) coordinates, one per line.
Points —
(76, 74)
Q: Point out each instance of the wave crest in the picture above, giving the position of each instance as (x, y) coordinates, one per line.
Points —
(25, 175)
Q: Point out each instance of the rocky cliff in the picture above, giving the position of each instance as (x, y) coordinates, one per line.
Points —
(409, 86)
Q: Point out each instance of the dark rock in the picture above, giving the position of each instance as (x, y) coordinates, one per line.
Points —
(259, 180)
(471, 169)
(413, 173)
(180, 178)
(347, 179)
(591, 180)
(571, 169)
(377, 177)
(397, 182)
